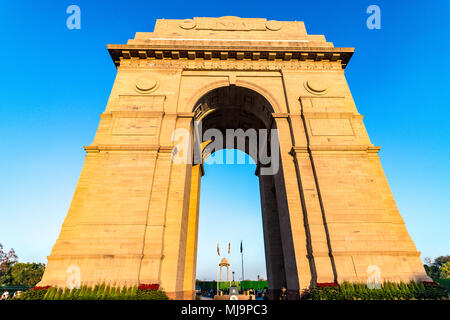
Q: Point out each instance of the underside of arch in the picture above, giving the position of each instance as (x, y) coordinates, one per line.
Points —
(228, 109)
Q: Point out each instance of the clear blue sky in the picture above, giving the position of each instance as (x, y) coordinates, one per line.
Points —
(230, 211)
(55, 82)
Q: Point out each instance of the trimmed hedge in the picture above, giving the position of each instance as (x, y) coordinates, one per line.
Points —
(345, 291)
(36, 293)
(388, 291)
(98, 292)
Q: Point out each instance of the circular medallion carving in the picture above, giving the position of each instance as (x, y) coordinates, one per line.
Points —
(146, 84)
(273, 25)
(187, 24)
(316, 86)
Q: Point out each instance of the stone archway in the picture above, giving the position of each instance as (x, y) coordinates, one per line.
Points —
(132, 219)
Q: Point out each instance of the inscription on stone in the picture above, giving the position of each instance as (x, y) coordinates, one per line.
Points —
(231, 24)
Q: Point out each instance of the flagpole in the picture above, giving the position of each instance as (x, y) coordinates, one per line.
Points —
(217, 283)
(242, 259)
(218, 267)
(229, 261)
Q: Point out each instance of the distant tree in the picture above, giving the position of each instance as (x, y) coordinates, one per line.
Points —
(445, 270)
(27, 274)
(14, 273)
(428, 261)
(7, 260)
(439, 261)
(433, 268)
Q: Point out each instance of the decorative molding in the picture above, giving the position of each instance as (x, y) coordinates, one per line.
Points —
(106, 115)
(165, 149)
(230, 65)
(306, 149)
(185, 115)
(316, 87)
(339, 56)
(94, 256)
(367, 253)
(329, 115)
(274, 25)
(187, 24)
(373, 149)
(280, 115)
(100, 148)
(146, 84)
(319, 97)
(338, 148)
(136, 114)
(91, 149)
(298, 150)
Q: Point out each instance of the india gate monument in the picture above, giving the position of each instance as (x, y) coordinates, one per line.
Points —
(327, 210)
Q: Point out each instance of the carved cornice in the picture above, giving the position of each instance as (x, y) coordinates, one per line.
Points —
(94, 256)
(136, 114)
(99, 148)
(121, 53)
(280, 115)
(229, 65)
(298, 150)
(129, 148)
(145, 114)
(373, 149)
(186, 115)
(319, 148)
(165, 149)
(329, 115)
(367, 253)
(337, 148)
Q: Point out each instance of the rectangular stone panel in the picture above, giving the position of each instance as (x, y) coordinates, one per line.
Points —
(331, 127)
(141, 103)
(328, 104)
(135, 126)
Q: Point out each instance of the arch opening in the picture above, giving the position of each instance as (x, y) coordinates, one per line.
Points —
(229, 213)
(235, 117)
(241, 118)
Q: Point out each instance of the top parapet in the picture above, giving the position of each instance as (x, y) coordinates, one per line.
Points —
(231, 29)
(230, 34)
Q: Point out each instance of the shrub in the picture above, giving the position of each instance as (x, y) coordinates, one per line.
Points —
(105, 293)
(388, 291)
(151, 295)
(98, 292)
(50, 294)
(36, 293)
(112, 293)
